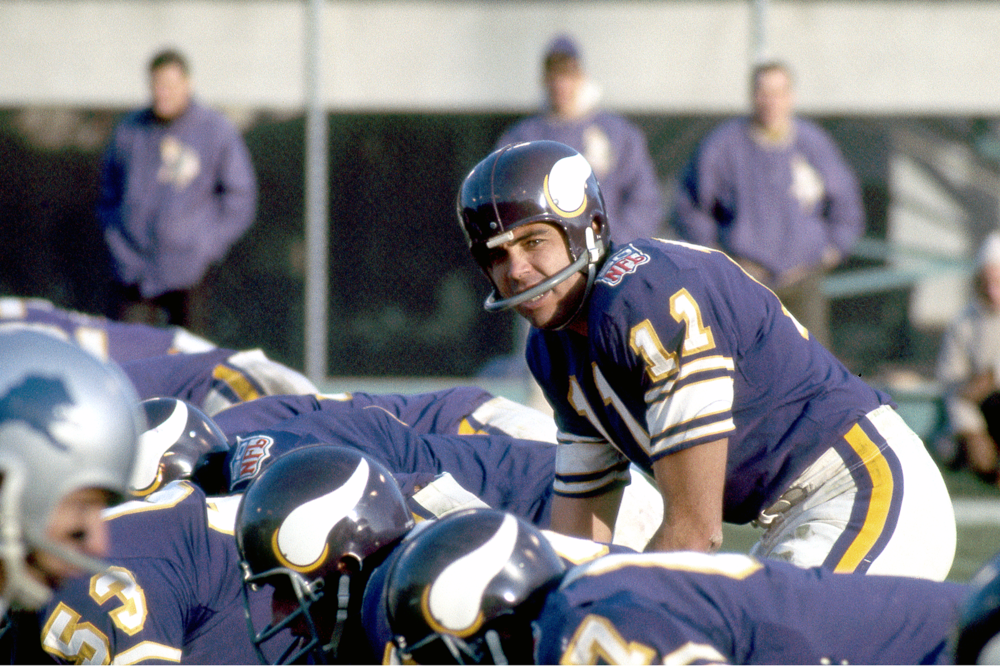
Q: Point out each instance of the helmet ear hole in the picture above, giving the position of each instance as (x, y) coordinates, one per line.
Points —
(349, 564)
(601, 220)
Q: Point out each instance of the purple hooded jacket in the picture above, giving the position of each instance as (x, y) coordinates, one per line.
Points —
(174, 197)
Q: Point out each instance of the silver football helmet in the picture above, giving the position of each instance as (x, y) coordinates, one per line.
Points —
(68, 421)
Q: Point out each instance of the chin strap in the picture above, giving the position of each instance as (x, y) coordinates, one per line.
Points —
(343, 599)
(494, 304)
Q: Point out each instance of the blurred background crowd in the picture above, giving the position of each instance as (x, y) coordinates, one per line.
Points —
(413, 94)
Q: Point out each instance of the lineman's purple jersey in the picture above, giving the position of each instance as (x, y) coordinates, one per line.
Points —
(502, 471)
(177, 591)
(683, 349)
(190, 377)
(692, 608)
(108, 339)
(446, 411)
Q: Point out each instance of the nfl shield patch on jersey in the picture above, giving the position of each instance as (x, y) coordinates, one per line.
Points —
(248, 458)
(622, 263)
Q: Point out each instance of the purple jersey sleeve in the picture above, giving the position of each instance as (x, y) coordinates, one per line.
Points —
(264, 412)
(186, 376)
(108, 339)
(690, 608)
(446, 412)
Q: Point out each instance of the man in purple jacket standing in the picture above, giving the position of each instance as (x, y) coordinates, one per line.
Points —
(773, 191)
(177, 191)
(614, 146)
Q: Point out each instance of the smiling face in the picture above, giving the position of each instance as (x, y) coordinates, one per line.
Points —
(536, 252)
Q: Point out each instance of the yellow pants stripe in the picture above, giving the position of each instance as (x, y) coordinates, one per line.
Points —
(881, 499)
(465, 427)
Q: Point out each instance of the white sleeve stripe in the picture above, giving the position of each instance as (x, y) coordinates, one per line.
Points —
(580, 459)
(147, 651)
(694, 401)
(573, 438)
(706, 364)
(672, 442)
(664, 390)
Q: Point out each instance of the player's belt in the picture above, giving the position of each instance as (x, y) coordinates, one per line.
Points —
(787, 501)
(825, 468)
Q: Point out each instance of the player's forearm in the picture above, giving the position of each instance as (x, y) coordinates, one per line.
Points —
(592, 518)
(687, 535)
(691, 483)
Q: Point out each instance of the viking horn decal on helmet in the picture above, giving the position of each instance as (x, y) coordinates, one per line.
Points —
(471, 573)
(154, 442)
(566, 185)
(300, 540)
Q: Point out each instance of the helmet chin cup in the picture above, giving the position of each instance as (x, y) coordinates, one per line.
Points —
(493, 305)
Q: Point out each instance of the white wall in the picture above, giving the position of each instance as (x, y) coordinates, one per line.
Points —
(857, 56)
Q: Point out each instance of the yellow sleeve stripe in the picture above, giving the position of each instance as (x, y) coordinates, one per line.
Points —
(237, 381)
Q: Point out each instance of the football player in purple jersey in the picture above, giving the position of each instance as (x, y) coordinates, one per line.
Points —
(484, 587)
(670, 356)
(162, 361)
(459, 446)
(172, 594)
(462, 410)
(498, 470)
(215, 379)
(179, 598)
(451, 448)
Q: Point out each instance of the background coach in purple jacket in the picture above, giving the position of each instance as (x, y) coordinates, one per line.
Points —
(177, 191)
(773, 191)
